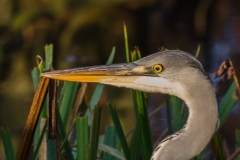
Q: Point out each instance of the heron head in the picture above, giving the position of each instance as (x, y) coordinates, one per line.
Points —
(165, 71)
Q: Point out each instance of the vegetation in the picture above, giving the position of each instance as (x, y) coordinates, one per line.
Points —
(79, 131)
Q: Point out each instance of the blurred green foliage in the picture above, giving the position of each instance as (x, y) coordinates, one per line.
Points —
(83, 32)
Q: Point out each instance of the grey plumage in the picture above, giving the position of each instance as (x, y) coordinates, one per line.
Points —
(182, 76)
(199, 95)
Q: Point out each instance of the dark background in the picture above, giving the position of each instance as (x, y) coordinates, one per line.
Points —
(84, 32)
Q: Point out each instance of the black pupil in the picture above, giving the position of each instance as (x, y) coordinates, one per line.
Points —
(157, 68)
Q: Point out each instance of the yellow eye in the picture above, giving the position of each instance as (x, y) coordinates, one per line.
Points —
(157, 68)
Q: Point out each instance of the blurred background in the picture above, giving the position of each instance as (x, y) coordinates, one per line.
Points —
(83, 33)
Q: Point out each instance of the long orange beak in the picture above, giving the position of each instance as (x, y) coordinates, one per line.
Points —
(118, 73)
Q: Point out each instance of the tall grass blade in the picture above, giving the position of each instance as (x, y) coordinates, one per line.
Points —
(70, 91)
(112, 55)
(47, 66)
(35, 78)
(94, 128)
(101, 139)
(217, 146)
(126, 42)
(119, 131)
(51, 150)
(48, 56)
(138, 54)
(135, 55)
(228, 102)
(134, 99)
(146, 132)
(76, 106)
(176, 108)
(96, 95)
(82, 138)
(8, 145)
(112, 151)
(136, 141)
(62, 131)
(198, 51)
(156, 110)
(111, 140)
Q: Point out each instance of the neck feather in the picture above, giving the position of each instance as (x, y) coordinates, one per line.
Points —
(199, 128)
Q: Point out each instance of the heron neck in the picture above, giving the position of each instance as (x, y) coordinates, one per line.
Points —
(199, 128)
(202, 120)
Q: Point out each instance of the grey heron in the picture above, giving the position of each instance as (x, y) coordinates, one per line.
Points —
(171, 72)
